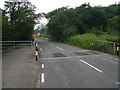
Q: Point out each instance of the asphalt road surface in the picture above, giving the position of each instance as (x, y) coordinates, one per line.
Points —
(66, 66)
(19, 69)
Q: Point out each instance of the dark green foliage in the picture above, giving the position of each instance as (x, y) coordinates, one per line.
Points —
(6, 30)
(66, 22)
(113, 24)
(18, 21)
(61, 24)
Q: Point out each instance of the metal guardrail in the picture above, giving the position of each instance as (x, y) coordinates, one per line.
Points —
(106, 46)
(14, 44)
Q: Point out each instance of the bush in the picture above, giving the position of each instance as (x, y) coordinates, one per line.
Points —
(85, 40)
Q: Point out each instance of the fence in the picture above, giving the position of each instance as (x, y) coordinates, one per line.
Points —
(106, 46)
(14, 44)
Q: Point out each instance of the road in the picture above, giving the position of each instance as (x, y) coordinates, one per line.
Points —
(66, 66)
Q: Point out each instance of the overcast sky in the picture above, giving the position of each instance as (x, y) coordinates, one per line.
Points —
(49, 5)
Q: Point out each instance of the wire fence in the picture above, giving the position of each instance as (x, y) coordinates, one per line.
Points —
(106, 46)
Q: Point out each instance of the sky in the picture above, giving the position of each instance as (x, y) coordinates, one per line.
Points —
(50, 5)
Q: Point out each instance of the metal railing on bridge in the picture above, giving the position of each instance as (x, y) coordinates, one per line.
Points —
(15, 44)
(106, 46)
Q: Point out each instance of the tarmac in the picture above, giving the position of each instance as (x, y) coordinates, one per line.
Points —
(19, 69)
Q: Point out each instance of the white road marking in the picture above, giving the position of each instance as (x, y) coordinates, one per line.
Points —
(91, 66)
(71, 57)
(56, 46)
(41, 49)
(42, 78)
(43, 66)
(117, 82)
(117, 59)
(36, 52)
(59, 48)
(51, 44)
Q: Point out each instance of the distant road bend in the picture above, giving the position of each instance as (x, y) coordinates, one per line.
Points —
(66, 66)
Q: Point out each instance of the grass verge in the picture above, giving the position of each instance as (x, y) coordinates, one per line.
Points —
(42, 38)
(85, 40)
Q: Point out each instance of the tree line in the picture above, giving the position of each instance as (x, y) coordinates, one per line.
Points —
(65, 22)
(18, 21)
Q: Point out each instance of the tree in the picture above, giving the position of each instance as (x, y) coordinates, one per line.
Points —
(65, 22)
(6, 32)
(113, 24)
(61, 23)
(21, 19)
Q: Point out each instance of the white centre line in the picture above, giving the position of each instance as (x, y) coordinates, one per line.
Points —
(59, 48)
(91, 66)
(56, 46)
(51, 44)
(43, 66)
(42, 78)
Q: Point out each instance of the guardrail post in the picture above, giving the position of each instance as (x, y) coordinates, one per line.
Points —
(118, 49)
(92, 43)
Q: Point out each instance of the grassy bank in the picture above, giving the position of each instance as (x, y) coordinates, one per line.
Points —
(42, 38)
(85, 40)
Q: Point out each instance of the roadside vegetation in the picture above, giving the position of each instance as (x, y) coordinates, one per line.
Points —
(85, 40)
(82, 25)
(18, 21)
(42, 38)
(78, 26)
(66, 22)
